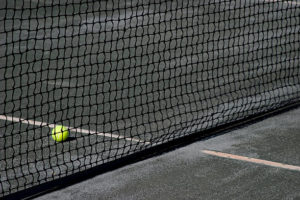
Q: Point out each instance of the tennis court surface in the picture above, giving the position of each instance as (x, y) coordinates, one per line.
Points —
(128, 76)
(261, 162)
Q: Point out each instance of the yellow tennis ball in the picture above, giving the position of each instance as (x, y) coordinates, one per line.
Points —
(60, 133)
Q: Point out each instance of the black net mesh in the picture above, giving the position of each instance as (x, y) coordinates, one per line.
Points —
(124, 76)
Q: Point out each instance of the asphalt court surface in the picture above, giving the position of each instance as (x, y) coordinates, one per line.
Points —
(142, 74)
(189, 173)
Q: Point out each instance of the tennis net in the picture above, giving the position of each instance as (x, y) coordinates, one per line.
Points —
(125, 76)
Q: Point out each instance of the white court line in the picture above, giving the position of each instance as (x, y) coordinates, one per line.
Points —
(79, 130)
(65, 84)
(293, 2)
(252, 160)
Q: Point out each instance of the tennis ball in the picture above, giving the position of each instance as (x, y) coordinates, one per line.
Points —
(60, 133)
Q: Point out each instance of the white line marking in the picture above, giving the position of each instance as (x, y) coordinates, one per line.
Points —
(252, 160)
(66, 84)
(292, 2)
(79, 130)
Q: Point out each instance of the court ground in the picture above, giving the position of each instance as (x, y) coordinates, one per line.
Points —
(190, 173)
